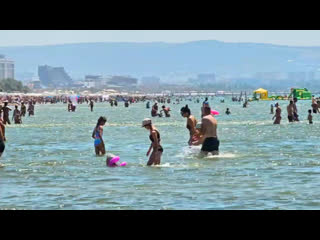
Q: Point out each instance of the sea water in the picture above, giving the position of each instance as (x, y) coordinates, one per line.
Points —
(49, 161)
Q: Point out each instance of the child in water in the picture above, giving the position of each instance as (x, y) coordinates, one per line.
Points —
(97, 136)
(112, 161)
(310, 117)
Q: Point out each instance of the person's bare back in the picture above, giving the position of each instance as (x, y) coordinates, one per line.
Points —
(209, 126)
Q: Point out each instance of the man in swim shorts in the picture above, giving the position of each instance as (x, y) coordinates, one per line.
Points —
(290, 111)
(209, 139)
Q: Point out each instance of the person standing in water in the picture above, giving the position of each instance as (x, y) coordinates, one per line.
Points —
(155, 146)
(166, 110)
(228, 111)
(295, 110)
(91, 105)
(314, 105)
(290, 111)
(154, 110)
(31, 109)
(2, 138)
(97, 136)
(277, 115)
(6, 110)
(310, 117)
(271, 109)
(23, 109)
(191, 123)
(16, 115)
(209, 138)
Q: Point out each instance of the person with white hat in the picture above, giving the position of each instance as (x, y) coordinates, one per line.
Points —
(155, 146)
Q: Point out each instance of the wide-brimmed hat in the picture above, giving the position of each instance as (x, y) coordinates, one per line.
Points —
(146, 121)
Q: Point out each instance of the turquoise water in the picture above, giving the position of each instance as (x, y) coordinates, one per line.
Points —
(49, 161)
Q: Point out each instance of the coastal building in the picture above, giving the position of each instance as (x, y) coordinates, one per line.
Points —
(6, 68)
(54, 76)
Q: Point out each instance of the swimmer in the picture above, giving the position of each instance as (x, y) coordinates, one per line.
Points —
(228, 111)
(209, 138)
(290, 111)
(97, 136)
(16, 115)
(191, 123)
(310, 117)
(271, 109)
(23, 109)
(277, 115)
(155, 146)
(314, 105)
(91, 105)
(166, 110)
(6, 110)
(31, 109)
(148, 105)
(154, 110)
(110, 156)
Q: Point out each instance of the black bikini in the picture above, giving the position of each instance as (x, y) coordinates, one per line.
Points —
(152, 140)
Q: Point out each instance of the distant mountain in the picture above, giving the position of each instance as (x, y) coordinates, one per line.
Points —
(156, 59)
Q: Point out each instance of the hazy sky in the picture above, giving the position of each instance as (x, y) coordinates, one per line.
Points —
(49, 37)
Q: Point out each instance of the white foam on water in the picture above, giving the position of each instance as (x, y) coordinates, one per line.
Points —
(221, 155)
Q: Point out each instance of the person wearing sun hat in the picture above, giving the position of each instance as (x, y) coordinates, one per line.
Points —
(157, 150)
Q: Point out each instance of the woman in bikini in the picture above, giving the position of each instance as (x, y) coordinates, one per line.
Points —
(191, 124)
(155, 146)
(97, 136)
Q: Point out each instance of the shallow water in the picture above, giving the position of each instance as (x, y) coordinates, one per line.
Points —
(49, 161)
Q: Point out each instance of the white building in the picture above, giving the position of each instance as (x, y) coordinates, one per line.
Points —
(6, 68)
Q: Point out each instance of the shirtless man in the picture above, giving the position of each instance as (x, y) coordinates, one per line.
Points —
(6, 110)
(290, 111)
(209, 139)
(277, 115)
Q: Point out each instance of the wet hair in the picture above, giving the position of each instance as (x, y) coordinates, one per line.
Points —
(309, 111)
(100, 120)
(163, 106)
(186, 110)
(291, 102)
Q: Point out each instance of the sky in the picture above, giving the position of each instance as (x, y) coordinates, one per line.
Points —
(52, 37)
